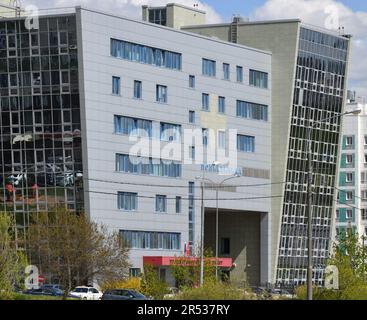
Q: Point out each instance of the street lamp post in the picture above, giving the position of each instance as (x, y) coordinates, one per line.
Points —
(217, 187)
(309, 197)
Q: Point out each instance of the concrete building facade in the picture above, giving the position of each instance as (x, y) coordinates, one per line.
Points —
(351, 211)
(105, 86)
(309, 72)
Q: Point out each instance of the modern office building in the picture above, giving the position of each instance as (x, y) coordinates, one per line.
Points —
(309, 73)
(351, 211)
(86, 89)
(41, 153)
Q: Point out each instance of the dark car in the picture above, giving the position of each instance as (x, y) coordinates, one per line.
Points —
(57, 287)
(54, 292)
(122, 294)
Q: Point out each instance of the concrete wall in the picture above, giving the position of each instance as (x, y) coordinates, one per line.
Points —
(243, 230)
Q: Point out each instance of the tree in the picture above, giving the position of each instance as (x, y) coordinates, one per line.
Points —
(75, 250)
(186, 270)
(12, 261)
(350, 257)
(151, 285)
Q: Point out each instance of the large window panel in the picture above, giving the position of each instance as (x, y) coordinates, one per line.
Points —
(144, 54)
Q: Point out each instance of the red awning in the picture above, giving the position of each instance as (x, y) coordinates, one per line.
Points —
(188, 261)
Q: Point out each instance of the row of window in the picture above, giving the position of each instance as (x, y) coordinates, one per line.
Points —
(256, 78)
(151, 240)
(128, 201)
(144, 54)
(144, 128)
(245, 109)
(148, 166)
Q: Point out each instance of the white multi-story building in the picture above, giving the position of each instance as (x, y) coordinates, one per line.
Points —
(351, 211)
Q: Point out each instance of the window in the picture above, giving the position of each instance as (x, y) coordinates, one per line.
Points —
(245, 143)
(349, 214)
(158, 16)
(349, 196)
(252, 111)
(349, 177)
(178, 204)
(337, 215)
(365, 140)
(364, 214)
(134, 272)
(148, 166)
(133, 126)
(192, 82)
(226, 71)
(127, 201)
(349, 141)
(161, 94)
(170, 132)
(144, 54)
(192, 117)
(239, 74)
(221, 139)
(192, 153)
(205, 137)
(137, 89)
(225, 246)
(349, 158)
(160, 204)
(221, 104)
(365, 158)
(205, 101)
(364, 177)
(209, 67)
(364, 195)
(116, 86)
(258, 79)
(151, 240)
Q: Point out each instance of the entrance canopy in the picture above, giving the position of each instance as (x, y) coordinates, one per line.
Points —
(187, 261)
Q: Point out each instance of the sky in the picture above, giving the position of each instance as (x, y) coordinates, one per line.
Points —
(351, 14)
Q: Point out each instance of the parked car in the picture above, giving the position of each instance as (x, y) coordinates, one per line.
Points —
(123, 294)
(54, 292)
(53, 286)
(86, 293)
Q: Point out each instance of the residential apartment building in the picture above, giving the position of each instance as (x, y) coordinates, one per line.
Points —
(309, 72)
(86, 89)
(351, 211)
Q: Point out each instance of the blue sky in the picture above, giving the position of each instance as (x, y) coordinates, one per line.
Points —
(245, 7)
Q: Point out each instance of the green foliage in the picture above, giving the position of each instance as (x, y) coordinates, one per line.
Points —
(19, 296)
(350, 257)
(131, 283)
(12, 261)
(186, 270)
(212, 291)
(151, 285)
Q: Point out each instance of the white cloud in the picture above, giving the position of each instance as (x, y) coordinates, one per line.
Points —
(130, 8)
(327, 14)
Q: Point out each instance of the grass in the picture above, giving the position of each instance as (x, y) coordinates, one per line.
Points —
(20, 296)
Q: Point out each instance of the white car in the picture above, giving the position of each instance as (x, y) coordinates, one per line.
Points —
(86, 293)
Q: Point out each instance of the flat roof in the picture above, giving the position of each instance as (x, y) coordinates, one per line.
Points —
(269, 22)
(174, 5)
(55, 12)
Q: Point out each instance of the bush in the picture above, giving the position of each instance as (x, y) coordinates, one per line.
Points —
(212, 291)
(131, 283)
(151, 285)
